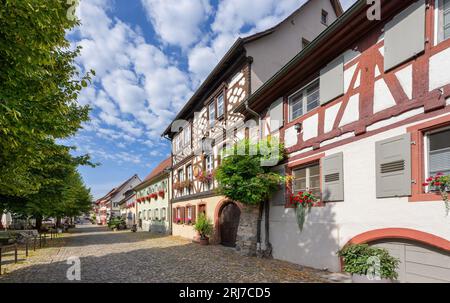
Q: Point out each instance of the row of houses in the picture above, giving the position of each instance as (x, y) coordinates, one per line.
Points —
(361, 101)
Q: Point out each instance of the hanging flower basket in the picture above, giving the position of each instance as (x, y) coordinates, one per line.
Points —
(161, 193)
(154, 196)
(440, 184)
(303, 201)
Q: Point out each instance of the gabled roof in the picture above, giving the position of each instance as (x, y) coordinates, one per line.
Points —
(158, 171)
(330, 43)
(116, 190)
(235, 50)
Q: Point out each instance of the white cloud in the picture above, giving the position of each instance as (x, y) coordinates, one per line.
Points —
(138, 89)
(177, 22)
(233, 19)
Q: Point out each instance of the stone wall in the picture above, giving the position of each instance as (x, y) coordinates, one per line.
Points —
(246, 235)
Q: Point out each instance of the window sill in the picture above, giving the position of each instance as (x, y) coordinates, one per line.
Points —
(425, 197)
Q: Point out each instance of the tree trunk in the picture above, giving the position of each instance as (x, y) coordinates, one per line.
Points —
(247, 234)
(268, 245)
(58, 222)
(38, 222)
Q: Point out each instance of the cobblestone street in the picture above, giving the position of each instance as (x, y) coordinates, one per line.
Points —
(124, 256)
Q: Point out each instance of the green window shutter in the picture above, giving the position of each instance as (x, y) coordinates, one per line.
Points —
(276, 115)
(279, 197)
(332, 80)
(333, 178)
(404, 35)
(393, 167)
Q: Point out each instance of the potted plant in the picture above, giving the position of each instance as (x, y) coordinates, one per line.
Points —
(369, 264)
(161, 193)
(440, 184)
(303, 201)
(204, 227)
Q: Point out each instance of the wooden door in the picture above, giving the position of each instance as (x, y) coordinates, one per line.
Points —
(229, 222)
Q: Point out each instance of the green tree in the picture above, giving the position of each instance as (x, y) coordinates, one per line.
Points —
(243, 177)
(39, 87)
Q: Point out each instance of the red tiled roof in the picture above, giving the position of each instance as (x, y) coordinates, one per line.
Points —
(167, 163)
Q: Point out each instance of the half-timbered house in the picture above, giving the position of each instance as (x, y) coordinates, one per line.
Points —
(364, 113)
(198, 133)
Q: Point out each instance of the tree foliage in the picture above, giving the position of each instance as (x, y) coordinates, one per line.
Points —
(241, 175)
(39, 86)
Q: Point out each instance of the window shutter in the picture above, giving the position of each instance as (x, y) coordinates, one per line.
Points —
(332, 80)
(393, 167)
(405, 35)
(193, 214)
(174, 215)
(279, 197)
(276, 115)
(333, 178)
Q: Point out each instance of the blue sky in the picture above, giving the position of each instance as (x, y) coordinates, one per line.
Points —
(149, 57)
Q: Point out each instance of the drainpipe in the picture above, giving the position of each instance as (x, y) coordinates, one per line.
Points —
(251, 111)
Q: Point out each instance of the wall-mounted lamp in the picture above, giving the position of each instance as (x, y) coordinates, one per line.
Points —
(298, 127)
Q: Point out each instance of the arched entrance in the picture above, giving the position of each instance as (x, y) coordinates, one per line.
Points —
(228, 223)
(423, 257)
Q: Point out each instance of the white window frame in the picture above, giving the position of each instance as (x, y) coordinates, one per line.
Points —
(426, 150)
(438, 30)
(189, 175)
(155, 213)
(187, 135)
(212, 118)
(307, 176)
(221, 97)
(304, 101)
(209, 163)
(189, 213)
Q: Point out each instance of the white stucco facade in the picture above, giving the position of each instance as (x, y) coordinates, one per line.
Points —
(329, 228)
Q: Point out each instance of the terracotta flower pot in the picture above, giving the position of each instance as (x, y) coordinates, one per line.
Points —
(204, 241)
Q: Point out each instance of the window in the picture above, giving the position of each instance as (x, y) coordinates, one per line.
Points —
(189, 213)
(181, 179)
(212, 113)
(443, 20)
(307, 179)
(209, 163)
(324, 17)
(155, 216)
(438, 152)
(220, 106)
(189, 176)
(180, 175)
(304, 43)
(303, 101)
(187, 135)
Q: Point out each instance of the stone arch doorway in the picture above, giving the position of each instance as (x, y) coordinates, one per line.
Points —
(229, 216)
